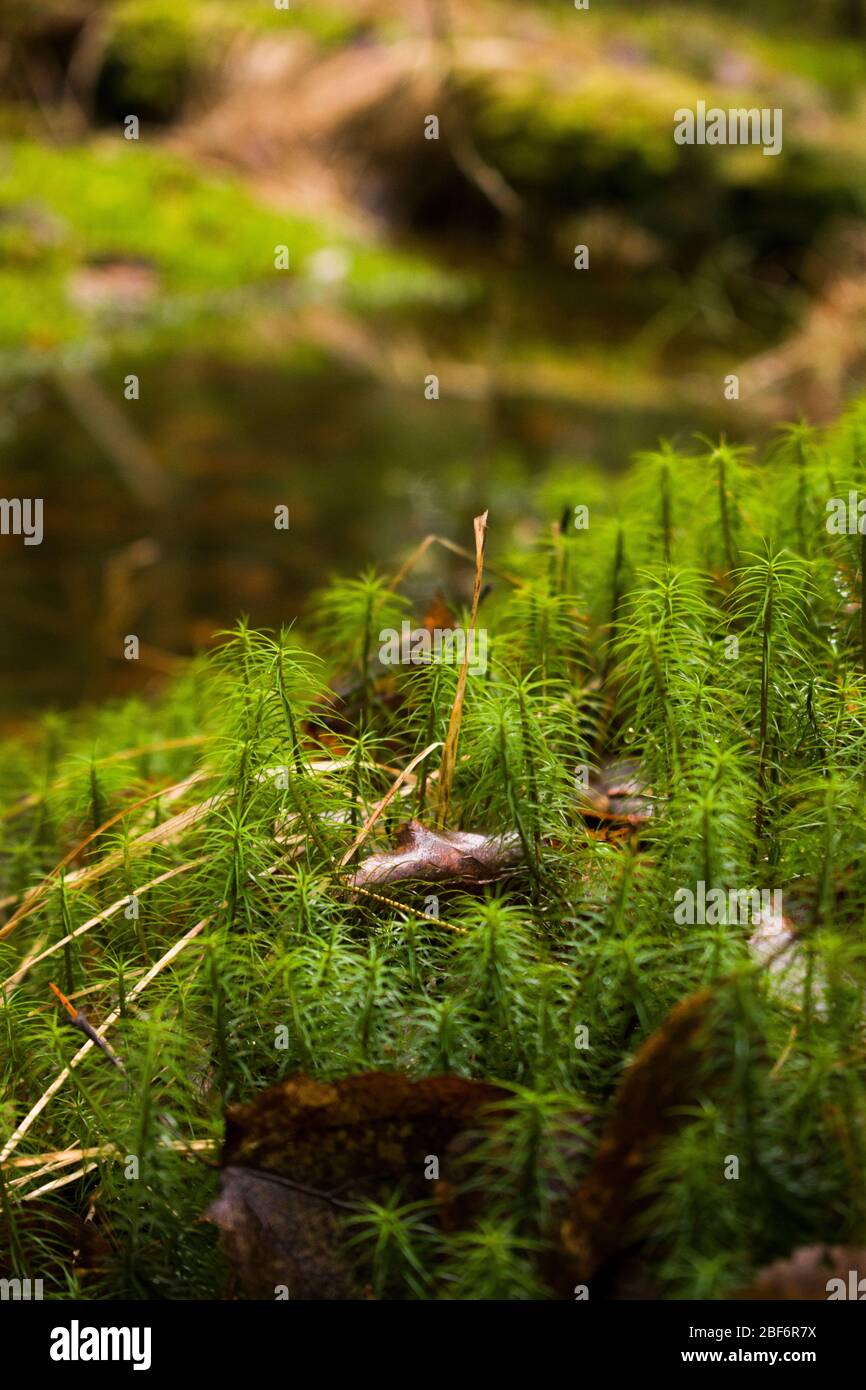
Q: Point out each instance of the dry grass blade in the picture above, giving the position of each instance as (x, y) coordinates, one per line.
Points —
(61, 1158)
(58, 1163)
(34, 1113)
(35, 896)
(166, 833)
(50, 1164)
(59, 1182)
(18, 975)
(55, 1158)
(449, 755)
(386, 800)
(170, 830)
(431, 539)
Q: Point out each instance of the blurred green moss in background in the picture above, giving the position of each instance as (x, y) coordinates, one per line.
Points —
(305, 128)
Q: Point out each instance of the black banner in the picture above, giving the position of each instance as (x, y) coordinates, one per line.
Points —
(234, 1338)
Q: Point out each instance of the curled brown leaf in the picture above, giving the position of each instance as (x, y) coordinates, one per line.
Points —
(438, 856)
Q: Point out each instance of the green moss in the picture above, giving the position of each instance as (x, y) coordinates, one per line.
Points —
(201, 237)
(706, 625)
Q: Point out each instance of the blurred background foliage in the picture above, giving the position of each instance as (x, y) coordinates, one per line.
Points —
(305, 127)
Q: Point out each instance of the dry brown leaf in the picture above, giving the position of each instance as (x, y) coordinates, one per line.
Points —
(438, 856)
(806, 1274)
(616, 794)
(439, 615)
(296, 1154)
(279, 1241)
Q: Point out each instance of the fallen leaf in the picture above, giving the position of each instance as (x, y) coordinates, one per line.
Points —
(807, 1272)
(776, 945)
(277, 1238)
(617, 795)
(437, 856)
(439, 616)
(297, 1155)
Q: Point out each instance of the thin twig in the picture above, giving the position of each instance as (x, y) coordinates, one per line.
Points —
(83, 1024)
